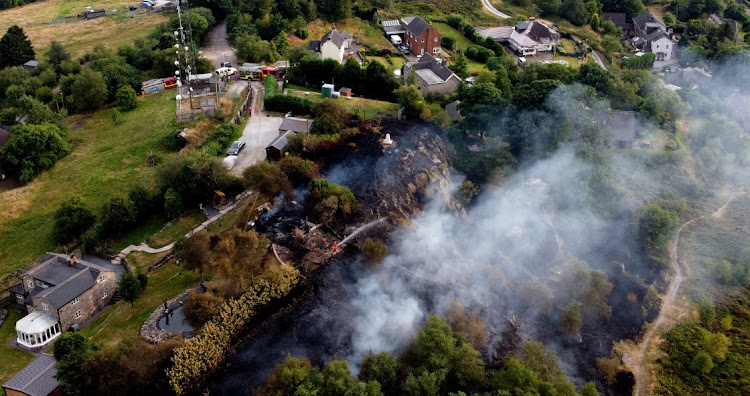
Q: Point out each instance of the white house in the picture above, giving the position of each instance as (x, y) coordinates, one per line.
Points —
(652, 35)
(525, 38)
(332, 45)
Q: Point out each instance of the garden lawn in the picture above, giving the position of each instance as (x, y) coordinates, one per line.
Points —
(446, 30)
(123, 322)
(367, 108)
(367, 33)
(12, 359)
(106, 160)
(398, 62)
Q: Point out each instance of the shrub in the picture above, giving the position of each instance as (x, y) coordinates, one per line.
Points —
(119, 217)
(302, 33)
(143, 280)
(374, 250)
(479, 54)
(33, 148)
(126, 99)
(222, 137)
(448, 42)
(200, 308)
(172, 204)
(298, 170)
(283, 104)
(72, 219)
(644, 62)
(455, 21)
(44, 94)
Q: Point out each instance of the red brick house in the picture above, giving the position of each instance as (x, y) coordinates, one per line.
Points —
(420, 36)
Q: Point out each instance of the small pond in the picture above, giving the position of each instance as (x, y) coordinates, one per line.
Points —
(174, 322)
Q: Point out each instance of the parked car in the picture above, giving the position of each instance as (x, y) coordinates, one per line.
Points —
(404, 49)
(236, 147)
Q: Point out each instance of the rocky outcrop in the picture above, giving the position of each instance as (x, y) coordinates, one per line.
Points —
(417, 166)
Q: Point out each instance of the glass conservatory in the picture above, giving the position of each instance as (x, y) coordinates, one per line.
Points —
(37, 329)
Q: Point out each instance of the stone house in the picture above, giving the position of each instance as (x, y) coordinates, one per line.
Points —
(332, 45)
(60, 293)
(652, 35)
(420, 36)
(432, 76)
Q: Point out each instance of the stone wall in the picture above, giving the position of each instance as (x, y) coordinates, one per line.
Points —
(90, 301)
(150, 329)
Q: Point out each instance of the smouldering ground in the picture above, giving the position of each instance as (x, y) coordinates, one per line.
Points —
(79, 35)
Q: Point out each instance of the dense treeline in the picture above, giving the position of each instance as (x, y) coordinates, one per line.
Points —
(373, 81)
(440, 361)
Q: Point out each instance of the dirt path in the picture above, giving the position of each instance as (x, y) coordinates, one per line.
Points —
(639, 357)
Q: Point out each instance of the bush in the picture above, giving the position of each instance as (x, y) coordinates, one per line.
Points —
(283, 104)
(302, 33)
(119, 216)
(72, 219)
(222, 137)
(32, 149)
(448, 42)
(479, 54)
(172, 204)
(455, 21)
(374, 250)
(143, 280)
(126, 99)
(200, 308)
(44, 94)
(643, 62)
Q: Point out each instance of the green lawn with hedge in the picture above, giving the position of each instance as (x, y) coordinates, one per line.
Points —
(106, 160)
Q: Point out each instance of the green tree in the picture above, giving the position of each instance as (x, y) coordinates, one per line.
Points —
(71, 351)
(119, 216)
(282, 44)
(716, 345)
(549, 7)
(172, 203)
(611, 43)
(44, 94)
(268, 179)
(72, 219)
(486, 76)
(655, 227)
(56, 54)
(48, 78)
(575, 12)
(15, 48)
(589, 390)
(126, 98)
(460, 66)
(411, 99)
(502, 82)
(31, 149)
(702, 363)
(89, 90)
(337, 379)
(595, 22)
(609, 27)
(129, 287)
(295, 376)
(381, 368)
(331, 117)
(571, 319)
(194, 251)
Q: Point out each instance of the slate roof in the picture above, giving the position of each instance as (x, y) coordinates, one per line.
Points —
(17, 289)
(499, 33)
(417, 26)
(648, 18)
(296, 124)
(428, 62)
(37, 378)
(623, 122)
(314, 45)
(334, 36)
(619, 19)
(32, 63)
(280, 142)
(689, 77)
(529, 33)
(67, 281)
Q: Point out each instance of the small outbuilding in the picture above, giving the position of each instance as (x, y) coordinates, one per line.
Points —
(296, 125)
(347, 92)
(276, 149)
(31, 65)
(327, 90)
(36, 379)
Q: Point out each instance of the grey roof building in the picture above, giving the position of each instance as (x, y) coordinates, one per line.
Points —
(431, 75)
(620, 21)
(32, 64)
(36, 379)
(295, 125)
(689, 77)
(60, 292)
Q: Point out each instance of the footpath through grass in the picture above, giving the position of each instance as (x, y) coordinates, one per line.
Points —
(123, 322)
(12, 360)
(106, 160)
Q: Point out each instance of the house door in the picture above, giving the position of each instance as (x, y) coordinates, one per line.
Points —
(421, 52)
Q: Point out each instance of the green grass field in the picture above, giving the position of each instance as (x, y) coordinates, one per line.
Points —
(12, 359)
(106, 161)
(122, 322)
(367, 108)
(447, 31)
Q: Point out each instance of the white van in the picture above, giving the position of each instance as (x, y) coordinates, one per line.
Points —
(396, 40)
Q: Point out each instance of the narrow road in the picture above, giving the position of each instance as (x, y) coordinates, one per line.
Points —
(638, 360)
(259, 132)
(218, 49)
(598, 59)
(493, 10)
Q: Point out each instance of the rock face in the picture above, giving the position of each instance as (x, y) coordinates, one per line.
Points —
(395, 180)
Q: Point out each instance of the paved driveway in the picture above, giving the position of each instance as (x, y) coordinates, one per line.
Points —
(259, 132)
(218, 49)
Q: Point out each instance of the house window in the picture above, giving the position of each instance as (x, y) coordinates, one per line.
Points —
(79, 314)
(30, 283)
(45, 307)
(104, 294)
(436, 50)
(19, 296)
(101, 278)
(423, 40)
(436, 39)
(76, 300)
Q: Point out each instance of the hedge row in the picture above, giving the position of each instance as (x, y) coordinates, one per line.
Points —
(283, 104)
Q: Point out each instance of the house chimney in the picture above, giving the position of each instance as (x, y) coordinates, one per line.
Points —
(333, 27)
(72, 261)
(532, 18)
